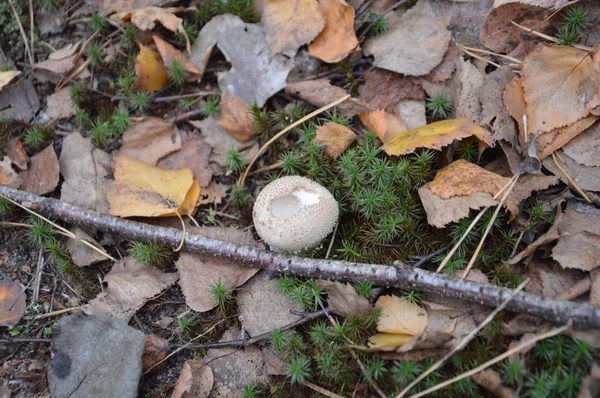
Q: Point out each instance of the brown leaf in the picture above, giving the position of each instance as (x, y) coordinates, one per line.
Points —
(236, 118)
(60, 66)
(150, 70)
(584, 149)
(128, 286)
(491, 381)
(383, 89)
(86, 171)
(550, 236)
(198, 272)
(414, 43)
(343, 299)
(335, 137)
(291, 23)
(446, 68)
(441, 212)
(155, 350)
(385, 125)
(19, 101)
(501, 36)
(320, 92)
(146, 191)
(60, 105)
(595, 288)
(9, 177)
(82, 254)
(470, 81)
(550, 141)
(194, 155)
(43, 173)
(338, 39)
(151, 139)
(170, 54)
(65, 51)
(559, 82)
(462, 178)
(17, 154)
(196, 380)
(514, 101)
(587, 178)
(213, 194)
(12, 302)
(6, 77)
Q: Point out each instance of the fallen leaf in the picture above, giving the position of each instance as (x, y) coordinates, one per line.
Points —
(590, 385)
(514, 101)
(146, 18)
(9, 177)
(65, 51)
(595, 288)
(263, 306)
(194, 155)
(6, 77)
(335, 138)
(236, 118)
(446, 68)
(462, 178)
(12, 302)
(151, 139)
(60, 106)
(343, 298)
(196, 380)
(338, 38)
(501, 36)
(43, 173)
(492, 381)
(441, 212)
(494, 114)
(579, 241)
(291, 23)
(106, 7)
(559, 84)
(61, 66)
(383, 89)
(470, 82)
(82, 254)
(435, 135)
(146, 191)
(548, 279)
(320, 93)
(198, 272)
(213, 194)
(19, 101)
(155, 350)
(127, 287)
(115, 355)
(385, 125)
(587, 178)
(418, 347)
(16, 152)
(398, 316)
(382, 341)
(170, 54)
(254, 75)
(414, 43)
(584, 149)
(86, 171)
(150, 70)
(412, 113)
(550, 141)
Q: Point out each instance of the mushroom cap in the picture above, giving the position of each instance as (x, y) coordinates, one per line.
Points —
(294, 213)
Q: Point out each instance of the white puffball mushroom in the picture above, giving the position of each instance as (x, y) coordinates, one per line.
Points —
(294, 213)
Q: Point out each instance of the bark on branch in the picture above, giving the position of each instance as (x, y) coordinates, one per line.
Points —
(559, 312)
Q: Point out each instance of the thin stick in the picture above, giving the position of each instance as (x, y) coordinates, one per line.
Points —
(51, 314)
(285, 130)
(491, 362)
(473, 223)
(514, 250)
(31, 26)
(489, 227)
(22, 30)
(462, 46)
(461, 344)
(573, 184)
(479, 57)
(403, 276)
(332, 240)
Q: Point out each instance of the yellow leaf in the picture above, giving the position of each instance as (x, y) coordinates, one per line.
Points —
(385, 125)
(338, 38)
(291, 23)
(151, 72)
(146, 191)
(335, 137)
(435, 136)
(6, 77)
(398, 316)
(388, 340)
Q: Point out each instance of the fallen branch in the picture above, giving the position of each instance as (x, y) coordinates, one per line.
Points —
(558, 312)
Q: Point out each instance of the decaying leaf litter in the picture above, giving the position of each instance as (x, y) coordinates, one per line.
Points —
(153, 113)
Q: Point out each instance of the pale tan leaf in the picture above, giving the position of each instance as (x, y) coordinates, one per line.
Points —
(320, 93)
(335, 137)
(196, 380)
(7, 76)
(151, 139)
(43, 173)
(398, 316)
(9, 177)
(343, 298)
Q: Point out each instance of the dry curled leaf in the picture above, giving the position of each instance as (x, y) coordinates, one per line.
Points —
(335, 137)
(236, 118)
(560, 85)
(291, 23)
(151, 139)
(146, 191)
(435, 135)
(150, 70)
(6, 77)
(463, 178)
(338, 38)
(385, 124)
(12, 302)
